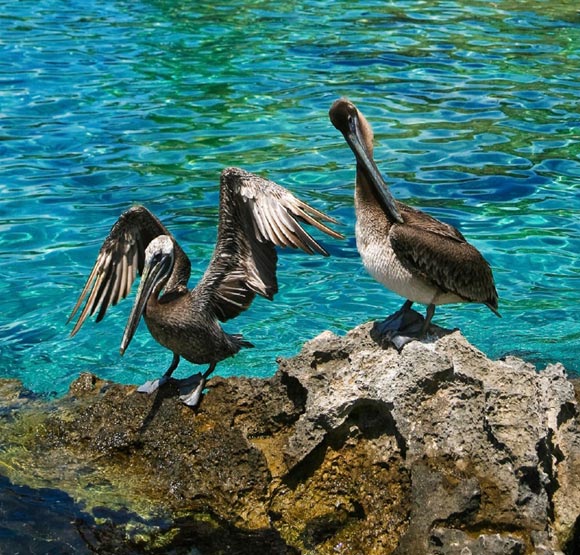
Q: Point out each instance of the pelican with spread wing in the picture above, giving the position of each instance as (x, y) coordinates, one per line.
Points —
(255, 216)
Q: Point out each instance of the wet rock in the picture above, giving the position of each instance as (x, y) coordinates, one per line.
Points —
(349, 448)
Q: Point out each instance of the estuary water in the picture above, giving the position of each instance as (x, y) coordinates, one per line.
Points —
(111, 103)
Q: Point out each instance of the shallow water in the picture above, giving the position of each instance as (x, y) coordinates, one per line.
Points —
(106, 104)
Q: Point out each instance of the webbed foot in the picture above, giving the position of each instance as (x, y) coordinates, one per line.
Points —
(152, 385)
(399, 329)
(190, 388)
(190, 394)
(408, 322)
(192, 397)
(404, 326)
(399, 341)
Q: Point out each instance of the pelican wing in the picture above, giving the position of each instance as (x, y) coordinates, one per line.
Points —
(256, 215)
(121, 257)
(420, 219)
(439, 253)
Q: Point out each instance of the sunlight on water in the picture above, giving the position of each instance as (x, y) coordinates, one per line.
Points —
(107, 104)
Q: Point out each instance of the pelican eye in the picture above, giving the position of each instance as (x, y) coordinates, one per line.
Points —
(157, 257)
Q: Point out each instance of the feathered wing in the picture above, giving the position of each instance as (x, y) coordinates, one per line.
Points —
(120, 259)
(256, 215)
(439, 253)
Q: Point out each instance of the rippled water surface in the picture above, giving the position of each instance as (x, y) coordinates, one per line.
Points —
(105, 104)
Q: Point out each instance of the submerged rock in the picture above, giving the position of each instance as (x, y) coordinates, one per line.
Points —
(349, 448)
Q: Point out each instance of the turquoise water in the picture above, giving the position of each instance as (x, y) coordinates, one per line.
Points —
(104, 104)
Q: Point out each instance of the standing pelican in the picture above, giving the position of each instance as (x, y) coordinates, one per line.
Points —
(255, 215)
(416, 256)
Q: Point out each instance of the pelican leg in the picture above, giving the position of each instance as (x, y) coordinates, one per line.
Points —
(153, 385)
(192, 398)
(427, 322)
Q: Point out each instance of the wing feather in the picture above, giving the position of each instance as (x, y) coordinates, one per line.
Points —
(121, 283)
(284, 224)
(256, 216)
(119, 260)
(441, 255)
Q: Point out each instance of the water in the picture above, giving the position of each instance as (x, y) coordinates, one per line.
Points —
(105, 104)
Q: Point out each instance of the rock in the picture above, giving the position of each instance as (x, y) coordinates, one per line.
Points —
(349, 448)
(445, 541)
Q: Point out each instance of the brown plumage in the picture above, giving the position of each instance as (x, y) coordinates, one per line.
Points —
(413, 254)
(255, 216)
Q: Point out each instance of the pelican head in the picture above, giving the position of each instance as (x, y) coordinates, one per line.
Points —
(158, 266)
(358, 134)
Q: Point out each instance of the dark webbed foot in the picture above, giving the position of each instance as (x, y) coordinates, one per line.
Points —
(408, 321)
(190, 394)
(399, 329)
(404, 326)
(191, 389)
(152, 385)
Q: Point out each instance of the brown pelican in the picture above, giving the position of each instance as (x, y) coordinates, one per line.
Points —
(416, 256)
(255, 215)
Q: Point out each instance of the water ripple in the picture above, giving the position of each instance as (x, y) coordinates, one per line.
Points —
(107, 104)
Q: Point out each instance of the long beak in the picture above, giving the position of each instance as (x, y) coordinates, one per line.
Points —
(367, 164)
(149, 279)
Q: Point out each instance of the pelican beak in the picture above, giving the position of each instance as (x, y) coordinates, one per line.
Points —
(354, 139)
(153, 273)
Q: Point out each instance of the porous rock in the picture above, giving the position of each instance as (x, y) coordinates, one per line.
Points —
(349, 448)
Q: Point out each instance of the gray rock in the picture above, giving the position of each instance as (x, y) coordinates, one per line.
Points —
(486, 442)
(348, 449)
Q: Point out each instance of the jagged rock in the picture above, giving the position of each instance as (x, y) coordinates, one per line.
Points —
(349, 448)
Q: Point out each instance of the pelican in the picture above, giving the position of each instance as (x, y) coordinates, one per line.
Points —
(255, 215)
(416, 256)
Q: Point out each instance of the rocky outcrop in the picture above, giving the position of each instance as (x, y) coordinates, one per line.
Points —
(349, 448)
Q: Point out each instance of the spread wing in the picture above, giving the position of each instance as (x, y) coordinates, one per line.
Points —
(121, 257)
(440, 254)
(256, 215)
